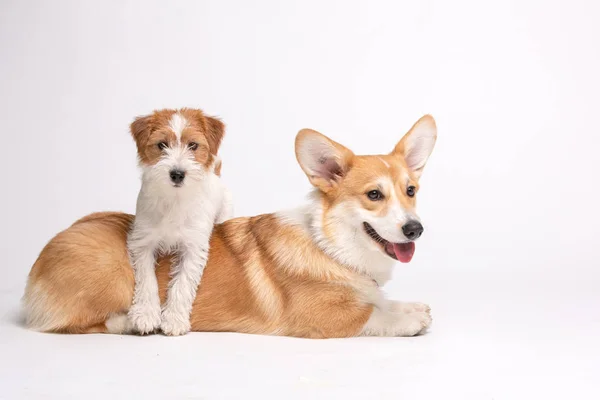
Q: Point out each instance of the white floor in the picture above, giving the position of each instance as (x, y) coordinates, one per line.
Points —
(496, 335)
(509, 260)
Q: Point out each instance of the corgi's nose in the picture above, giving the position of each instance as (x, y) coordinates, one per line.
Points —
(177, 176)
(412, 230)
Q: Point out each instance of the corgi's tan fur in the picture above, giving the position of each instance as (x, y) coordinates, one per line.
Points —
(312, 272)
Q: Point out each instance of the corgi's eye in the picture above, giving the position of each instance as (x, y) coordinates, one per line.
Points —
(375, 195)
(410, 191)
(193, 146)
(162, 146)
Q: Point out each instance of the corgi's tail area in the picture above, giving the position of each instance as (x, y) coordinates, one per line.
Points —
(82, 281)
(41, 313)
(37, 313)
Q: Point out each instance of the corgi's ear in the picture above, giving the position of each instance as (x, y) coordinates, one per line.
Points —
(324, 161)
(416, 146)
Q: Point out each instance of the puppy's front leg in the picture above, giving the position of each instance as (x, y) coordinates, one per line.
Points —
(145, 310)
(181, 293)
(392, 321)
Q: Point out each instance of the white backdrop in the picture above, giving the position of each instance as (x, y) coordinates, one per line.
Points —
(509, 199)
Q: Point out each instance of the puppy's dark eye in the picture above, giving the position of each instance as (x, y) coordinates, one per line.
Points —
(375, 195)
(162, 146)
(410, 191)
(193, 146)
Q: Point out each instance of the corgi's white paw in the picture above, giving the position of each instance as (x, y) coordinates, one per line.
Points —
(408, 308)
(174, 323)
(144, 317)
(413, 324)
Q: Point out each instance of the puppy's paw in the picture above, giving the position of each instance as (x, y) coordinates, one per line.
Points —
(408, 308)
(145, 318)
(174, 324)
(414, 323)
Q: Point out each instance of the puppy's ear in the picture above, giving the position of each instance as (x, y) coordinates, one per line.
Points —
(215, 131)
(141, 128)
(416, 146)
(213, 127)
(217, 166)
(324, 161)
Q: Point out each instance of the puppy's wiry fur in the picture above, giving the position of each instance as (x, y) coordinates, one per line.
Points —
(180, 199)
(315, 271)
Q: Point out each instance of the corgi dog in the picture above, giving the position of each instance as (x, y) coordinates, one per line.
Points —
(314, 272)
(180, 200)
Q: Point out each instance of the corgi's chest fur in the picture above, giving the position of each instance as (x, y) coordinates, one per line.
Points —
(168, 217)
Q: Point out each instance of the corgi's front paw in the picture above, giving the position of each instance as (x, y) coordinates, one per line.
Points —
(174, 324)
(408, 308)
(145, 318)
(415, 323)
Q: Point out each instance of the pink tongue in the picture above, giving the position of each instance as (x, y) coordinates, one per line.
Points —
(404, 251)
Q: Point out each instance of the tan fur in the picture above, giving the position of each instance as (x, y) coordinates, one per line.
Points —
(363, 177)
(85, 276)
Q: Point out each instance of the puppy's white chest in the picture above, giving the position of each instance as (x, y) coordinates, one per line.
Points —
(173, 223)
(185, 217)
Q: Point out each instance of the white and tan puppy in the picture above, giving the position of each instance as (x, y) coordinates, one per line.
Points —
(315, 271)
(180, 200)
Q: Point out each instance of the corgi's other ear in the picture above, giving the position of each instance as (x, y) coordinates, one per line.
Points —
(141, 128)
(324, 161)
(416, 146)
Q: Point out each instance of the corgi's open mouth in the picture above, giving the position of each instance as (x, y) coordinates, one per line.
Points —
(402, 252)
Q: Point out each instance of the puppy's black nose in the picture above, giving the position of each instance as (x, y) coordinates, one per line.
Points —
(412, 230)
(177, 176)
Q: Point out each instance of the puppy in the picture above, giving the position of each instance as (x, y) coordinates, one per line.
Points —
(180, 200)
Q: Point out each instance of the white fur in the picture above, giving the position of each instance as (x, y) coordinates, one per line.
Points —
(177, 124)
(387, 322)
(226, 211)
(37, 314)
(119, 324)
(173, 219)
